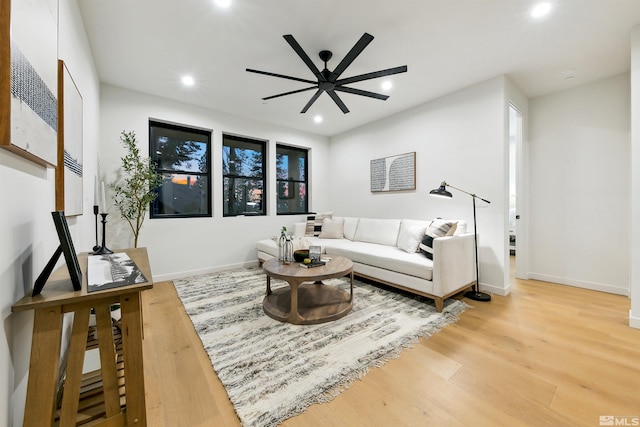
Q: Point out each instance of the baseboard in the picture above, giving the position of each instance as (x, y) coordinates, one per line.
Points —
(634, 321)
(580, 284)
(183, 274)
(503, 292)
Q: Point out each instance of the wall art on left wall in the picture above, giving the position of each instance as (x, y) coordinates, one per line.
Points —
(69, 169)
(28, 79)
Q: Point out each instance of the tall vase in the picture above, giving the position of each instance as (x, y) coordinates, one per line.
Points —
(282, 247)
(288, 250)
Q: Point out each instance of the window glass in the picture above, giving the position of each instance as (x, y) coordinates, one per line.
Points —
(243, 169)
(291, 177)
(183, 158)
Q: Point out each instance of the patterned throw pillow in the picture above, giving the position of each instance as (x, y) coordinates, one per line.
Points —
(437, 228)
(314, 223)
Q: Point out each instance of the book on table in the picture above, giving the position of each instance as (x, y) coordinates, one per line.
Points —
(313, 264)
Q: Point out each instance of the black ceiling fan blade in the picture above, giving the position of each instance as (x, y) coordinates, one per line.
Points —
(311, 101)
(282, 76)
(338, 101)
(351, 56)
(289, 93)
(373, 75)
(361, 92)
(303, 55)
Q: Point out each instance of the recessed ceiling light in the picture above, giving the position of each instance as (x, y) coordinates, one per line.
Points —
(540, 10)
(386, 85)
(317, 119)
(223, 3)
(188, 81)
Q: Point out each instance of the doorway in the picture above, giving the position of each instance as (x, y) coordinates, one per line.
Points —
(517, 236)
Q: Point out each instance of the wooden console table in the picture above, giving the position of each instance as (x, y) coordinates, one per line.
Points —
(58, 298)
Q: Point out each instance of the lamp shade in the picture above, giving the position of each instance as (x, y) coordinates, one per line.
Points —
(441, 191)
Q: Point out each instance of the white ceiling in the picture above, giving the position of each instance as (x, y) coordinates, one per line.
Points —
(147, 45)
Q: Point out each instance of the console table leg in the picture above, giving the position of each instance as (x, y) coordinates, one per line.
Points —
(43, 368)
(75, 361)
(133, 366)
(108, 367)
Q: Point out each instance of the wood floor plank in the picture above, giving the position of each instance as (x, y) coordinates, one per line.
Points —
(545, 355)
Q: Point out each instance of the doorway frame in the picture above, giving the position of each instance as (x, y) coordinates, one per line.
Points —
(521, 194)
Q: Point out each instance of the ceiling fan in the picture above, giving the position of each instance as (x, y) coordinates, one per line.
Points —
(328, 81)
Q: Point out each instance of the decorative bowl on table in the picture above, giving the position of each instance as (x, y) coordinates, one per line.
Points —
(300, 254)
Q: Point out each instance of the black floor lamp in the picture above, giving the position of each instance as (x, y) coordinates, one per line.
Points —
(475, 295)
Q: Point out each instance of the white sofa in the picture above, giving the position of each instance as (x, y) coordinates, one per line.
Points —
(387, 251)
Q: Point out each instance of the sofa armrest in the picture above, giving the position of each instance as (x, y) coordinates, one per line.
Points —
(453, 263)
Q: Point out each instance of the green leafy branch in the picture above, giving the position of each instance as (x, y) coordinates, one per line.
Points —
(136, 188)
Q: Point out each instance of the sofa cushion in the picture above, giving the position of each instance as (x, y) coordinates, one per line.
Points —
(332, 228)
(411, 234)
(314, 223)
(350, 225)
(382, 256)
(380, 231)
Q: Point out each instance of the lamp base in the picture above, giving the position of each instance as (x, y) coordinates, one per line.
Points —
(478, 296)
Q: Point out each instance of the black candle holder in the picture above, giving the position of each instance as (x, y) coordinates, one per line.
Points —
(103, 249)
(96, 248)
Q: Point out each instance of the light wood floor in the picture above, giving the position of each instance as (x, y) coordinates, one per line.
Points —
(546, 355)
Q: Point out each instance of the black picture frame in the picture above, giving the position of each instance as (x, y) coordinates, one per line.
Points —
(66, 248)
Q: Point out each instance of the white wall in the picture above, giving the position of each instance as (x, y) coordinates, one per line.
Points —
(459, 138)
(27, 230)
(579, 186)
(181, 247)
(634, 182)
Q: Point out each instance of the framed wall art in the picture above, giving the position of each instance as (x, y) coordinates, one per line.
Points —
(394, 173)
(28, 79)
(69, 169)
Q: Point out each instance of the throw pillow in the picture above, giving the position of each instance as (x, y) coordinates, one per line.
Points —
(410, 238)
(437, 228)
(440, 227)
(314, 223)
(426, 246)
(332, 228)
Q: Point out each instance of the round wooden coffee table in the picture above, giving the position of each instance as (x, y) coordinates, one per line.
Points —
(307, 300)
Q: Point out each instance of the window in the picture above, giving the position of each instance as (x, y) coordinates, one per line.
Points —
(243, 166)
(291, 177)
(183, 159)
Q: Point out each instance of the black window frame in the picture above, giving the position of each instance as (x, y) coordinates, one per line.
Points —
(154, 154)
(244, 141)
(290, 182)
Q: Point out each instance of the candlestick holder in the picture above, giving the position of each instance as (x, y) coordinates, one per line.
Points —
(103, 249)
(96, 248)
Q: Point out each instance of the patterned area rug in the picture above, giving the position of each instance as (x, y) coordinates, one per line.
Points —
(272, 370)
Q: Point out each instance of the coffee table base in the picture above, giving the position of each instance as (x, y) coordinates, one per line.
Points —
(317, 303)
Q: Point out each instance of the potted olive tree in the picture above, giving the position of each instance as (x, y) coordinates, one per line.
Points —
(135, 187)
